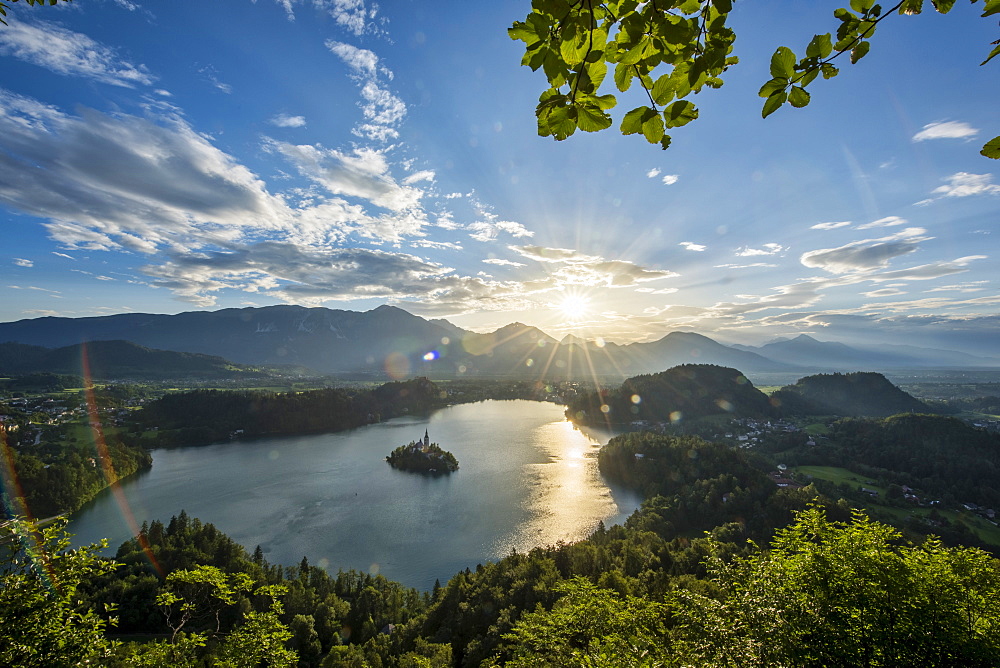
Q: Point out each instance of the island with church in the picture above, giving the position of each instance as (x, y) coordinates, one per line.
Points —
(422, 456)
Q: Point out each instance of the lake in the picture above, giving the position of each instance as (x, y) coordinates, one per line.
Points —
(527, 477)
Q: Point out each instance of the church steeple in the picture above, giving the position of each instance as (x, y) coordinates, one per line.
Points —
(427, 439)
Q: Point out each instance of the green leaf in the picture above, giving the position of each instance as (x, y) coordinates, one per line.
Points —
(558, 123)
(632, 123)
(798, 97)
(861, 6)
(597, 71)
(680, 113)
(772, 86)
(994, 52)
(783, 63)
(605, 101)
(943, 6)
(665, 142)
(724, 7)
(829, 71)
(992, 7)
(524, 32)
(809, 76)
(623, 76)
(772, 103)
(663, 89)
(820, 46)
(652, 129)
(992, 149)
(637, 52)
(573, 47)
(911, 7)
(859, 51)
(591, 118)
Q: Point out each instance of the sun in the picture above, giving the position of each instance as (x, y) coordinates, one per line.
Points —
(574, 307)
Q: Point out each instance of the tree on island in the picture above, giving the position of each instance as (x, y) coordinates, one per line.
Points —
(422, 456)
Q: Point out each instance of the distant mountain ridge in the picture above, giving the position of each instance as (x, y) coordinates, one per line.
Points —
(114, 359)
(390, 342)
(805, 351)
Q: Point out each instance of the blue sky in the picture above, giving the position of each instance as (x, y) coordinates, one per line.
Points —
(165, 157)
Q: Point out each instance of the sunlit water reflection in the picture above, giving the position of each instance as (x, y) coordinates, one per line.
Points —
(527, 478)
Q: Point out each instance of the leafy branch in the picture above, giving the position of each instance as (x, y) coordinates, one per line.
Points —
(575, 43)
(4, 6)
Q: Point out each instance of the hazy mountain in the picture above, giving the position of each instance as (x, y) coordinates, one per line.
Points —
(689, 348)
(805, 351)
(388, 341)
(322, 339)
(114, 359)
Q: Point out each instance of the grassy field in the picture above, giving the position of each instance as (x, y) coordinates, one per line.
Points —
(986, 531)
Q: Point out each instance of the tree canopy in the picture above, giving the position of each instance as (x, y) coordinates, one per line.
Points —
(673, 49)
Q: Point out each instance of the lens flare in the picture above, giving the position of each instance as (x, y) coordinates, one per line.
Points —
(107, 466)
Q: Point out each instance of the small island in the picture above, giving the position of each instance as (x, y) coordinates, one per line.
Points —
(422, 456)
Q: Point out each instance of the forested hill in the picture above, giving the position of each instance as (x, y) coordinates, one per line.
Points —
(206, 416)
(861, 393)
(115, 359)
(941, 455)
(682, 392)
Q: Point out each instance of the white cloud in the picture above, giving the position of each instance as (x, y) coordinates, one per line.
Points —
(362, 62)
(768, 249)
(926, 272)
(866, 254)
(362, 173)
(68, 257)
(830, 226)
(670, 179)
(884, 292)
(653, 173)
(286, 121)
(661, 291)
(964, 184)
(489, 230)
(503, 263)
(745, 266)
(575, 268)
(381, 108)
(888, 221)
(946, 130)
(971, 286)
(424, 243)
(691, 246)
(107, 181)
(70, 53)
(489, 226)
(416, 177)
(211, 75)
(21, 262)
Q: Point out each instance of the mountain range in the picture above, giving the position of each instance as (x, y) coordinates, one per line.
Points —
(388, 341)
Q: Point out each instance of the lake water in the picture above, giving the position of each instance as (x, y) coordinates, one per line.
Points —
(528, 478)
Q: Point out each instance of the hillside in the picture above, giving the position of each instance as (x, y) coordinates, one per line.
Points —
(682, 392)
(854, 394)
(115, 359)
